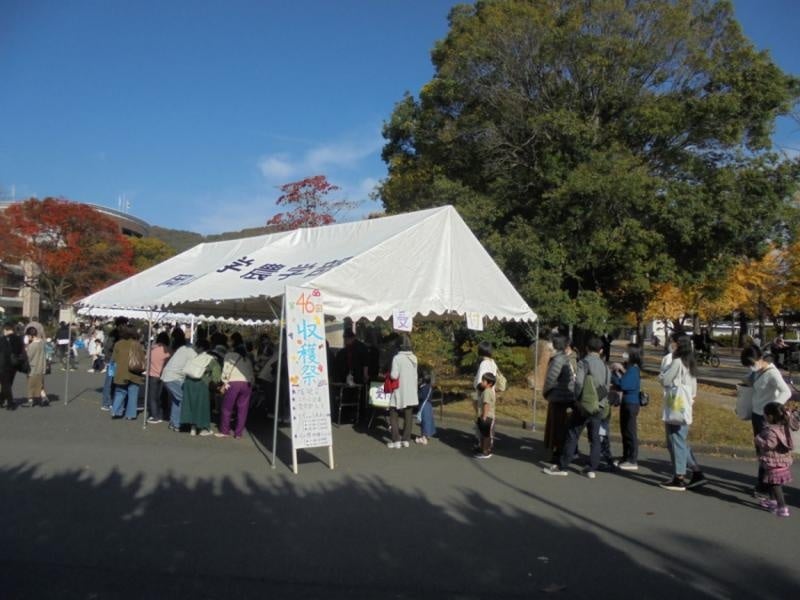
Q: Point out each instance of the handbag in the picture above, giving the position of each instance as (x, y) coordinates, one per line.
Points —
(644, 398)
(137, 360)
(389, 384)
(744, 402)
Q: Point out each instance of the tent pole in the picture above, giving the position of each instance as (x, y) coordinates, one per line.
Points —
(278, 387)
(66, 369)
(147, 367)
(535, 370)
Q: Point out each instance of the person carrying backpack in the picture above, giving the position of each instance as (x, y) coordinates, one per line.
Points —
(592, 384)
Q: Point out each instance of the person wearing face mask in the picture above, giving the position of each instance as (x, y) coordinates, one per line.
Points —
(768, 386)
(628, 380)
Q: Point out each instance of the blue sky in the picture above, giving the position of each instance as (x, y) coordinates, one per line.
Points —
(196, 110)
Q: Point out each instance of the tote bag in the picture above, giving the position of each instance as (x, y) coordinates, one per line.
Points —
(678, 401)
(744, 402)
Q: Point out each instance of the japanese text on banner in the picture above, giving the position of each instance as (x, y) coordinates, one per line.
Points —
(308, 368)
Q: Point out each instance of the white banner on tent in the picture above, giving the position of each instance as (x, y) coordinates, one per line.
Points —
(402, 320)
(308, 371)
(474, 321)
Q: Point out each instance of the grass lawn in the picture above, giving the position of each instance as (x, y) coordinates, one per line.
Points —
(714, 424)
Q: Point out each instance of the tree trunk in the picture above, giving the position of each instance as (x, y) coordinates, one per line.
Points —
(742, 328)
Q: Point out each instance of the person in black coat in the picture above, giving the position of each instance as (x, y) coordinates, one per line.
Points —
(11, 351)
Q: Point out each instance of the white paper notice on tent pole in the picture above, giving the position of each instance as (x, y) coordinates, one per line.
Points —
(474, 321)
(402, 320)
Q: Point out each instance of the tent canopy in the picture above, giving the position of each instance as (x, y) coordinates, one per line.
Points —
(425, 262)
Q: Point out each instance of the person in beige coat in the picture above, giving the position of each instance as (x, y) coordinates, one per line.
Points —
(38, 363)
(405, 398)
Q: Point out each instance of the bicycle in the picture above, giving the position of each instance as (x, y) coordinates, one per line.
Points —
(708, 357)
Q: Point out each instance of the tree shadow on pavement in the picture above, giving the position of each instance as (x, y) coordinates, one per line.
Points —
(121, 536)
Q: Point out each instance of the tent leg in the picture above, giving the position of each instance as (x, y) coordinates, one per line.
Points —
(535, 371)
(278, 395)
(147, 363)
(66, 373)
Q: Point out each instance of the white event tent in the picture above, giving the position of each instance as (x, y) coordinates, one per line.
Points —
(424, 262)
(428, 263)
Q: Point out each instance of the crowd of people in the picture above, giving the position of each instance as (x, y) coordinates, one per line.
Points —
(189, 383)
(581, 393)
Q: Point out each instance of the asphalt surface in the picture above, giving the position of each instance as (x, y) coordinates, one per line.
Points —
(99, 509)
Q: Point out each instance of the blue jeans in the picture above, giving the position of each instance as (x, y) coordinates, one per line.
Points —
(175, 390)
(108, 391)
(426, 423)
(679, 450)
(121, 392)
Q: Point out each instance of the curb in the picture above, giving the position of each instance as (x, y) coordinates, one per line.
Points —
(732, 451)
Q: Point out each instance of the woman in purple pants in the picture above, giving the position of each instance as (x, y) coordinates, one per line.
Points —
(237, 382)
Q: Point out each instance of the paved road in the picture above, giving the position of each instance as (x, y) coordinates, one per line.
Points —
(95, 509)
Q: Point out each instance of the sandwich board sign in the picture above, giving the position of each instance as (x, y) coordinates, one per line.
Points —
(306, 353)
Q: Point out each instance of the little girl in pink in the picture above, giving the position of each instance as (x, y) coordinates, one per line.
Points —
(774, 444)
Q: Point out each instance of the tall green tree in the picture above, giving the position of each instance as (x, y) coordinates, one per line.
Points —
(597, 147)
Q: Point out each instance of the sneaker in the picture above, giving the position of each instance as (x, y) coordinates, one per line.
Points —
(219, 434)
(768, 504)
(421, 440)
(554, 470)
(153, 420)
(29, 403)
(106, 408)
(90, 371)
(676, 484)
(628, 466)
(193, 431)
(173, 428)
(405, 444)
(393, 445)
(206, 432)
(482, 456)
(781, 511)
(591, 474)
(697, 480)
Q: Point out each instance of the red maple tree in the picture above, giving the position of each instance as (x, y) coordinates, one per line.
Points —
(312, 207)
(73, 248)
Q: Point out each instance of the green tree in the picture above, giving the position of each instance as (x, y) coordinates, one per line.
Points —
(597, 148)
(149, 251)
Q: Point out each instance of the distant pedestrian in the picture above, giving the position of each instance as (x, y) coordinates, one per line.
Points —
(774, 444)
(173, 375)
(680, 389)
(628, 381)
(559, 391)
(198, 387)
(237, 386)
(11, 352)
(126, 382)
(486, 416)
(38, 365)
(405, 398)
(159, 354)
(63, 344)
(768, 386)
(425, 412)
(592, 364)
(486, 364)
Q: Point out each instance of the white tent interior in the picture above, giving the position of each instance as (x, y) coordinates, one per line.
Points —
(426, 263)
